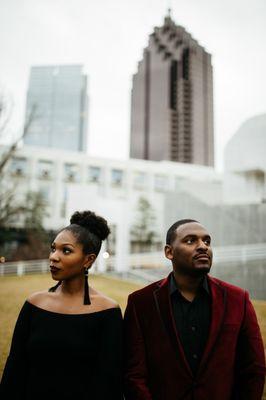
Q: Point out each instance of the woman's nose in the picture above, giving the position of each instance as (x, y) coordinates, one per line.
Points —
(54, 256)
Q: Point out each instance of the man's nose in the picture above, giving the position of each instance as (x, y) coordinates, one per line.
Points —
(202, 245)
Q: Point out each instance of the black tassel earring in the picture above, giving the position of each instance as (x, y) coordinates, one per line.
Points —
(86, 287)
(53, 288)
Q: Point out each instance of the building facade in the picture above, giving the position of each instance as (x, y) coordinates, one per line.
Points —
(57, 98)
(172, 99)
(70, 181)
(248, 171)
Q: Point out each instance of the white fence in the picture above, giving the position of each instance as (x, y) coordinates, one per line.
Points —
(24, 267)
(227, 254)
(222, 255)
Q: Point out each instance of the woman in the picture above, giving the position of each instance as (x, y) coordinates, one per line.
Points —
(67, 340)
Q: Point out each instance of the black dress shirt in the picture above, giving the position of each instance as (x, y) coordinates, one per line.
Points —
(192, 320)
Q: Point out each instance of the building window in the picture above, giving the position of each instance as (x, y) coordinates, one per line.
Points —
(63, 203)
(186, 64)
(160, 182)
(140, 180)
(18, 166)
(111, 240)
(71, 173)
(94, 174)
(45, 192)
(117, 177)
(45, 169)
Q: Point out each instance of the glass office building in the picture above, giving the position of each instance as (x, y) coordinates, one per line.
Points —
(58, 96)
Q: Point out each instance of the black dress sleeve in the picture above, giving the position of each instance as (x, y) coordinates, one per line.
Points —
(15, 372)
(107, 380)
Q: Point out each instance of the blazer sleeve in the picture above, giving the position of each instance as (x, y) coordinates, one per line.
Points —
(15, 372)
(136, 374)
(250, 357)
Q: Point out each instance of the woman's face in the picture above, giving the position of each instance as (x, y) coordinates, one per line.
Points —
(67, 259)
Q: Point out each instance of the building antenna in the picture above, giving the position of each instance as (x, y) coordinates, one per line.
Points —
(169, 8)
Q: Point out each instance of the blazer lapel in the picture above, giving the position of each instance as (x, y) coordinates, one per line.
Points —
(217, 315)
(164, 308)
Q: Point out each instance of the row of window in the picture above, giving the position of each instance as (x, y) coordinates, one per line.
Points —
(71, 173)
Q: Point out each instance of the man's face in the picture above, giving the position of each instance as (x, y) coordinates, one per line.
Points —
(190, 251)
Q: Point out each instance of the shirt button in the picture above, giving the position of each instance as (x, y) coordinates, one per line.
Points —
(195, 356)
(193, 328)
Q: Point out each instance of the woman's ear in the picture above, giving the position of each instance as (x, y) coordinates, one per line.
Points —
(90, 258)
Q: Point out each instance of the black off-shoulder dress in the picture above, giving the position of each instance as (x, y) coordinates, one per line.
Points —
(64, 356)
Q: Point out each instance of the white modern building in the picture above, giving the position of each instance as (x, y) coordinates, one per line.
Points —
(71, 181)
(245, 162)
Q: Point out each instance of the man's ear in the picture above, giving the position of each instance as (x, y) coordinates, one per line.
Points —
(168, 251)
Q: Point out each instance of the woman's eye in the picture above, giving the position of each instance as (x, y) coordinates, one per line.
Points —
(66, 250)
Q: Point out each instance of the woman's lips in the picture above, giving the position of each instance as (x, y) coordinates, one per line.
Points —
(54, 269)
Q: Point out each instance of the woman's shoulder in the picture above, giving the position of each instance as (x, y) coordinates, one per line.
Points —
(103, 302)
(38, 298)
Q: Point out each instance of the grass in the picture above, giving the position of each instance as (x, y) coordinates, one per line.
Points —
(14, 290)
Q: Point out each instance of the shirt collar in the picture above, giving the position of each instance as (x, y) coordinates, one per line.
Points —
(174, 288)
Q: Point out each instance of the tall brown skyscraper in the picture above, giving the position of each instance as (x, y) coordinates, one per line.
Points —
(172, 99)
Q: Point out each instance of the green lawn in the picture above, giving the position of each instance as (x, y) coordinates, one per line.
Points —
(14, 290)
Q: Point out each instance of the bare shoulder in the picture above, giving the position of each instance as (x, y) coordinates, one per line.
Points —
(38, 298)
(104, 302)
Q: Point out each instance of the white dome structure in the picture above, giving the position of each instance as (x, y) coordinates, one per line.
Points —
(246, 150)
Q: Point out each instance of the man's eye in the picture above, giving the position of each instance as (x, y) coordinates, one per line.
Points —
(52, 249)
(189, 241)
(207, 241)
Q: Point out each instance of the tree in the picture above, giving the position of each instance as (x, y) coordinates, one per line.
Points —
(35, 212)
(27, 212)
(36, 239)
(10, 208)
(143, 235)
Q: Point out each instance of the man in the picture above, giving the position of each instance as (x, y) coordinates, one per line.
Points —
(191, 336)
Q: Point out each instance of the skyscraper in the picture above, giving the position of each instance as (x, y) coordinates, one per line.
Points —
(172, 99)
(59, 96)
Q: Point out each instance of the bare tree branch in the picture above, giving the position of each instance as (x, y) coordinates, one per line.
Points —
(10, 208)
(6, 108)
(13, 147)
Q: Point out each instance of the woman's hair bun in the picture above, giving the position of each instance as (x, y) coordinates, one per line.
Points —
(94, 223)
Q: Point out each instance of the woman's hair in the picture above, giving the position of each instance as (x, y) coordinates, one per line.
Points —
(89, 229)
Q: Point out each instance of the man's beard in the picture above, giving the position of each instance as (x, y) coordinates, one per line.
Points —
(194, 272)
(199, 272)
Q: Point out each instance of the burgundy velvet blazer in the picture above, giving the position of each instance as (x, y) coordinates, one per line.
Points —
(233, 363)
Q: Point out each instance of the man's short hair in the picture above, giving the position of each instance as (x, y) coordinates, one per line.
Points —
(170, 236)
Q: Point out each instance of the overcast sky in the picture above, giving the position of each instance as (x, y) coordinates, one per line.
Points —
(108, 38)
